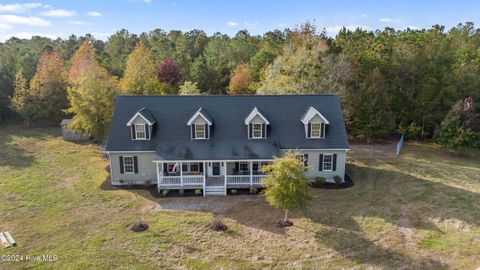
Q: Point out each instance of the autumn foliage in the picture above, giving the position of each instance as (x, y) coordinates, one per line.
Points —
(168, 72)
(240, 81)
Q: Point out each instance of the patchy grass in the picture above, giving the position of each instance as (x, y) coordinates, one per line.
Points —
(419, 211)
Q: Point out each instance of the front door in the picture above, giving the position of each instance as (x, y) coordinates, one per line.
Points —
(215, 168)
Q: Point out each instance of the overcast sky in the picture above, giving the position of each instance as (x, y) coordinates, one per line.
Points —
(102, 17)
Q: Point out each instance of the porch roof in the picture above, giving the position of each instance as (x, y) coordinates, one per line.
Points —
(217, 150)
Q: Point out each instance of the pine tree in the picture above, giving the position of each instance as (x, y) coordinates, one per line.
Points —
(22, 102)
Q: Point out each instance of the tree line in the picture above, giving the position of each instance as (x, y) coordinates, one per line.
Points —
(389, 80)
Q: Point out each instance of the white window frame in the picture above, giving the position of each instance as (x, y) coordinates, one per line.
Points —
(144, 131)
(125, 165)
(240, 166)
(196, 132)
(319, 130)
(190, 167)
(325, 162)
(168, 167)
(253, 131)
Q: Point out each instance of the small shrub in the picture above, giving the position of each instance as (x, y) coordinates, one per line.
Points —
(147, 183)
(253, 190)
(338, 180)
(218, 225)
(139, 227)
(320, 181)
(234, 191)
(198, 192)
(181, 191)
(165, 192)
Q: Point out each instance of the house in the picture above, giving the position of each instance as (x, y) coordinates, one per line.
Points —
(69, 134)
(215, 143)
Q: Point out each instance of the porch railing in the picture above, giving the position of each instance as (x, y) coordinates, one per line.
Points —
(244, 179)
(191, 180)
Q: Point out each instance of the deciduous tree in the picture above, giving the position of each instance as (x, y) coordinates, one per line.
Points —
(139, 76)
(168, 72)
(189, 88)
(21, 101)
(241, 81)
(286, 186)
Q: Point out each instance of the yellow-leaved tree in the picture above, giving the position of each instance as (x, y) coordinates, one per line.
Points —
(140, 73)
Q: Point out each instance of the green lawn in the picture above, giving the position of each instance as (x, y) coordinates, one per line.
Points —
(419, 211)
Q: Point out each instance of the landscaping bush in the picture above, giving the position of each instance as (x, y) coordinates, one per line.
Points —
(338, 180)
(218, 225)
(320, 181)
(234, 191)
(253, 190)
(139, 227)
(165, 192)
(198, 192)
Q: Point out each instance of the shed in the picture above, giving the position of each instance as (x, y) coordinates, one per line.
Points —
(69, 134)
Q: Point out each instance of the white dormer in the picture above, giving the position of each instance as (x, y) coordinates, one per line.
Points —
(141, 125)
(315, 124)
(200, 124)
(256, 125)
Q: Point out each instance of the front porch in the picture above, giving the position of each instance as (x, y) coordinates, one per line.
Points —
(210, 176)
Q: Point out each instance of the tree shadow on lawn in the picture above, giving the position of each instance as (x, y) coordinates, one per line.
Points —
(390, 196)
(17, 147)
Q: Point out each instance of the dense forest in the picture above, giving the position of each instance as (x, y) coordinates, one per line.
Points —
(389, 80)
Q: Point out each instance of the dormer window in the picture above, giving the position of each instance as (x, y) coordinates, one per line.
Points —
(140, 133)
(257, 131)
(315, 124)
(200, 131)
(141, 125)
(256, 125)
(200, 124)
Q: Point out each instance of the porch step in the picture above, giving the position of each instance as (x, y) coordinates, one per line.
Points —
(214, 191)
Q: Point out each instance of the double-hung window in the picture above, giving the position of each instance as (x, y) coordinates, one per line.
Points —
(200, 131)
(257, 131)
(327, 162)
(304, 159)
(140, 133)
(243, 166)
(128, 166)
(316, 130)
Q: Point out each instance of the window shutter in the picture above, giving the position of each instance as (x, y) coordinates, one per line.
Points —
(164, 168)
(334, 162)
(135, 164)
(121, 164)
(147, 132)
(264, 130)
(193, 131)
(322, 130)
(236, 167)
(320, 163)
(134, 134)
(305, 160)
(200, 166)
(250, 130)
(207, 133)
(309, 130)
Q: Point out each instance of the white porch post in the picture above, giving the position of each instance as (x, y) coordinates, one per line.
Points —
(225, 176)
(181, 174)
(158, 176)
(204, 177)
(251, 173)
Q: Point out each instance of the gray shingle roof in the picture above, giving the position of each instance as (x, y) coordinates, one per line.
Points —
(147, 114)
(228, 140)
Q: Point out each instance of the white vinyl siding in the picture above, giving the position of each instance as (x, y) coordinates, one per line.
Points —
(128, 166)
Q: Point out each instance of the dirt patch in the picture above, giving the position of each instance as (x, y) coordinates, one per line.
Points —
(218, 225)
(282, 223)
(139, 227)
(208, 204)
(405, 228)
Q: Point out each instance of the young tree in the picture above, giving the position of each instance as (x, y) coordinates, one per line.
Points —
(457, 130)
(49, 86)
(286, 186)
(240, 81)
(139, 76)
(168, 72)
(91, 101)
(189, 88)
(22, 102)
